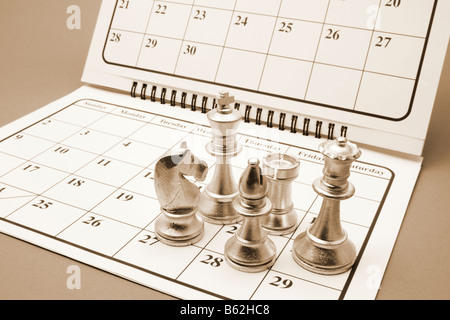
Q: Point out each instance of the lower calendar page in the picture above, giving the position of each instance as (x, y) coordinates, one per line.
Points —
(76, 177)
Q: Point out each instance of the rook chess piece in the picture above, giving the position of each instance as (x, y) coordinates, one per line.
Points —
(218, 196)
(280, 170)
(324, 247)
(250, 249)
(178, 224)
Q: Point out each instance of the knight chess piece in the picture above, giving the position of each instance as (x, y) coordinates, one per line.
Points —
(178, 224)
(216, 204)
(324, 247)
(250, 249)
(280, 171)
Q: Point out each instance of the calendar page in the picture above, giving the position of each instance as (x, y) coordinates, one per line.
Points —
(367, 63)
(76, 177)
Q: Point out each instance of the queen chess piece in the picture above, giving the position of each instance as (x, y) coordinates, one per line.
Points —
(324, 247)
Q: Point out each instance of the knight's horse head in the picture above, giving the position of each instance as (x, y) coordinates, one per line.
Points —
(175, 193)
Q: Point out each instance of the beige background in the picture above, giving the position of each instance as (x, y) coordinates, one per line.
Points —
(41, 60)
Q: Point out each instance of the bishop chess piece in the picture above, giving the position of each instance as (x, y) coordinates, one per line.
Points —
(216, 204)
(324, 247)
(280, 171)
(178, 224)
(250, 249)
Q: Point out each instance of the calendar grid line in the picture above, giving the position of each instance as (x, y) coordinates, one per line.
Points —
(317, 50)
(184, 36)
(367, 56)
(224, 42)
(269, 47)
(144, 35)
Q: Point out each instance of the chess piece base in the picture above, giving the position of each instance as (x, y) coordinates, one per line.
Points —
(283, 223)
(247, 257)
(179, 230)
(218, 209)
(323, 257)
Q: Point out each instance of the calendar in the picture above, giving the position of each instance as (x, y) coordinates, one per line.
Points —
(77, 175)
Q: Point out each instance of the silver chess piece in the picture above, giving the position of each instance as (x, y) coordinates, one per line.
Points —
(280, 170)
(250, 249)
(178, 224)
(216, 204)
(324, 247)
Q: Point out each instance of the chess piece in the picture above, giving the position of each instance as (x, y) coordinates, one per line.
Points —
(178, 224)
(216, 204)
(280, 170)
(250, 249)
(324, 247)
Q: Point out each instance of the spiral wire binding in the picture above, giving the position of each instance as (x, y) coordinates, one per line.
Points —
(248, 108)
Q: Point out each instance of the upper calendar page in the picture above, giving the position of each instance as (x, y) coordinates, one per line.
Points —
(342, 60)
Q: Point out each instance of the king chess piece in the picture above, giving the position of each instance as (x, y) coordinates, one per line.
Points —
(216, 204)
(178, 224)
(250, 249)
(324, 247)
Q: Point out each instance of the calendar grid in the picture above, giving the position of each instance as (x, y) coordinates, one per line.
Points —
(138, 233)
(278, 69)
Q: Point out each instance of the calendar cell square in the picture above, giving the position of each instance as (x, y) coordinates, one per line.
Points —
(287, 77)
(169, 19)
(405, 17)
(130, 208)
(250, 32)
(117, 125)
(208, 25)
(369, 187)
(129, 15)
(308, 10)
(295, 39)
(353, 13)
(219, 4)
(92, 141)
(391, 99)
(241, 68)
(122, 47)
(159, 53)
(148, 133)
(24, 146)
(344, 47)
(199, 61)
(78, 116)
(64, 158)
(12, 199)
(341, 85)
(303, 196)
(33, 177)
(142, 184)
(8, 163)
(267, 7)
(280, 286)
(110, 171)
(210, 271)
(79, 192)
(52, 130)
(134, 152)
(46, 215)
(395, 55)
(143, 249)
(99, 233)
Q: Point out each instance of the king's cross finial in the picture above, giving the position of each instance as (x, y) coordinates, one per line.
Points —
(225, 99)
